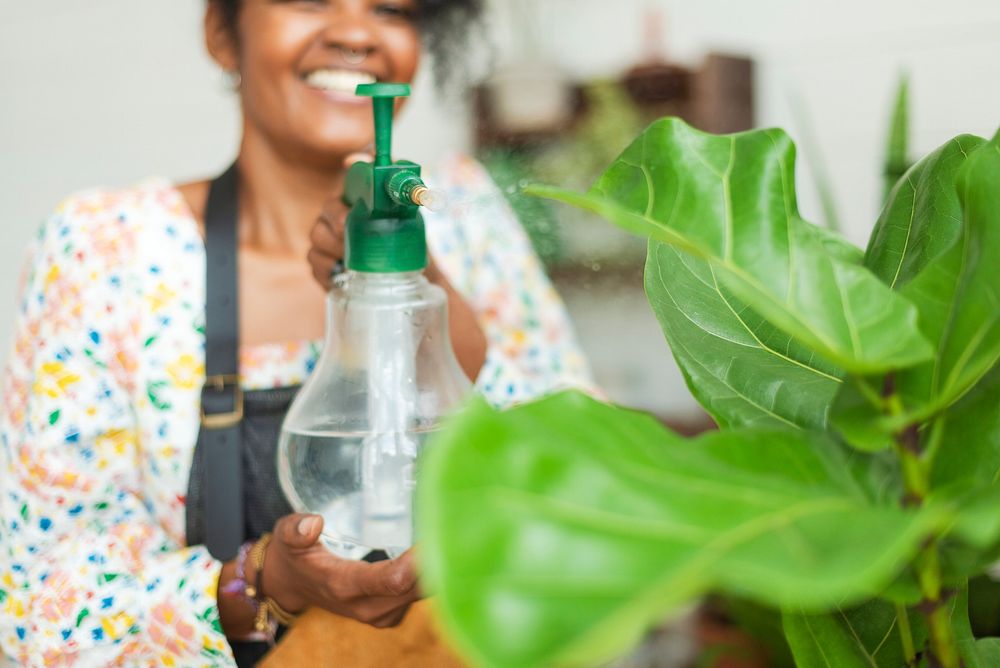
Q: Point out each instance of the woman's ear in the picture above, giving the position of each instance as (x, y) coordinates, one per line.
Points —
(220, 39)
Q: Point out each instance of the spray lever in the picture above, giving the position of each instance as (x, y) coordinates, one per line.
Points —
(385, 230)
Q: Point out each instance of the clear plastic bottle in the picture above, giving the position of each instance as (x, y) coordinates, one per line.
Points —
(350, 441)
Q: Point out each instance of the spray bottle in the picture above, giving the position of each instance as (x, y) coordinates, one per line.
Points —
(387, 373)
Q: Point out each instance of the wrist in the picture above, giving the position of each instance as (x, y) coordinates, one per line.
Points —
(271, 581)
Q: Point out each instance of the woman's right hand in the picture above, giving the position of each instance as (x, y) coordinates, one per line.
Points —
(299, 572)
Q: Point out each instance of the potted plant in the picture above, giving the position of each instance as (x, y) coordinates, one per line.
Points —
(854, 483)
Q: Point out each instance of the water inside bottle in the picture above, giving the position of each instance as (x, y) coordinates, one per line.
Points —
(361, 483)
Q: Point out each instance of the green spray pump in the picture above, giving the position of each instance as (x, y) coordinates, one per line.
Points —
(385, 230)
(387, 373)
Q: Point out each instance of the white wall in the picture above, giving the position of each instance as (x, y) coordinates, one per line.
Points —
(111, 91)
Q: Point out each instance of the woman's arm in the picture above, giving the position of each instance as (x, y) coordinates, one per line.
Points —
(467, 337)
(485, 252)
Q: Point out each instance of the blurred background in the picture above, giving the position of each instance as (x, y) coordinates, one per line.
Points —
(109, 92)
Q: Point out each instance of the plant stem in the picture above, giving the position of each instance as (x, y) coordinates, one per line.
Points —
(906, 635)
(942, 637)
(916, 480)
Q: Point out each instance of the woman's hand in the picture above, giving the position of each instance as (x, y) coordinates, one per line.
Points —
(327, 252)
(327, 239)
(300, 572)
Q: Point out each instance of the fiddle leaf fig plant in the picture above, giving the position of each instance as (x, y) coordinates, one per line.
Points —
(854, 484)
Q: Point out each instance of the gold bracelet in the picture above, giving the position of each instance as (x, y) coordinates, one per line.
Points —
(267, 607)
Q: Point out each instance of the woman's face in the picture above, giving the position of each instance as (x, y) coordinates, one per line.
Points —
(300, 61)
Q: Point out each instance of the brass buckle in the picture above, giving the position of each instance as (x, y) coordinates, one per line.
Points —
(233, 417)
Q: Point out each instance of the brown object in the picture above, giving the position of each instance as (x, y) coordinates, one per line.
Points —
(320, 639)
(723, 94)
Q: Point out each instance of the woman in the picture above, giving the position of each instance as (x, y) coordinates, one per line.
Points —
(102, 396)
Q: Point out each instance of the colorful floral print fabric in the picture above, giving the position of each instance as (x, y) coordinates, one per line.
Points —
(100, 412)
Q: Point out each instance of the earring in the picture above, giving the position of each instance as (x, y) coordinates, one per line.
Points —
(232, 79)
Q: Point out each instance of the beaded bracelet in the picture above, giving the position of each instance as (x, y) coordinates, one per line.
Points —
(239, 586)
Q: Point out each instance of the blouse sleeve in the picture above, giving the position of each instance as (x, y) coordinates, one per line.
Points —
(87, 575)
(486, 254)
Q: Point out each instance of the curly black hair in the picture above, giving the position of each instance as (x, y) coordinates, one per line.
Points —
(445, 26)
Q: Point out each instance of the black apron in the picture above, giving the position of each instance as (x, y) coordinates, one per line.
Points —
(233, 492)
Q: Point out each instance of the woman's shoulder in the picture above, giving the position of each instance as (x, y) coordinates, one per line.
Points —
(149, 200)
(118, 221)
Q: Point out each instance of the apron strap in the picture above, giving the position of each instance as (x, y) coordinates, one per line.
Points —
(222, 396)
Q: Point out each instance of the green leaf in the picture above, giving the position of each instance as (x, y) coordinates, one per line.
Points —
(731, 200)
(739, 367)
(867, 636)
(559, 530)
(968, 437)
(915, 248)
(975, 654)
(988, 652)
(970, 344)
(922, 218)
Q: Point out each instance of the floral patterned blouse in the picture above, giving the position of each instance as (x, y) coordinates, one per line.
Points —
(100, 412)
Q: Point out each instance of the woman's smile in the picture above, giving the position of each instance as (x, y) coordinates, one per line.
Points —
(338, 84)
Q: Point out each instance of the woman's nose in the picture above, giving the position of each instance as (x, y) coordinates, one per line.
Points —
(350, 29)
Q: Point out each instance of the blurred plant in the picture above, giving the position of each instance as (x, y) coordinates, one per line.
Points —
(511, 171)
(897, 152)
(610, 123)
(896, 158)
(575, 158)
(817, 164)
(855, 481)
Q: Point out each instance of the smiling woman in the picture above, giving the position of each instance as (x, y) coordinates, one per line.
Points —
(133, 296)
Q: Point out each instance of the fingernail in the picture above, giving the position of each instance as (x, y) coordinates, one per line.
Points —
(306, 525)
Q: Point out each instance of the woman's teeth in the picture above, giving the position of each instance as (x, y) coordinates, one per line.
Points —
(341, 81)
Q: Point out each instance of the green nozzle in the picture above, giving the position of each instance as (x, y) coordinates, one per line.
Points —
(385, 231)
(384, 101)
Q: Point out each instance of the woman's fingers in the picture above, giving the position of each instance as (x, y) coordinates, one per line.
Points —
(322, 267)
(328, 235)
(390, 579)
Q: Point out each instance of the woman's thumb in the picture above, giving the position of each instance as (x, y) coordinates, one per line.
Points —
(299, 530)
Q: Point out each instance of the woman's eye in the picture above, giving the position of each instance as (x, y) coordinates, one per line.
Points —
(394, 10)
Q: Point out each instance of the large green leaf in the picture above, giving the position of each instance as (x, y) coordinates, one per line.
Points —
(970, 343)
(560, 530)
(916, 248)
(867, 636)
(743, 370)
(730, 200)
